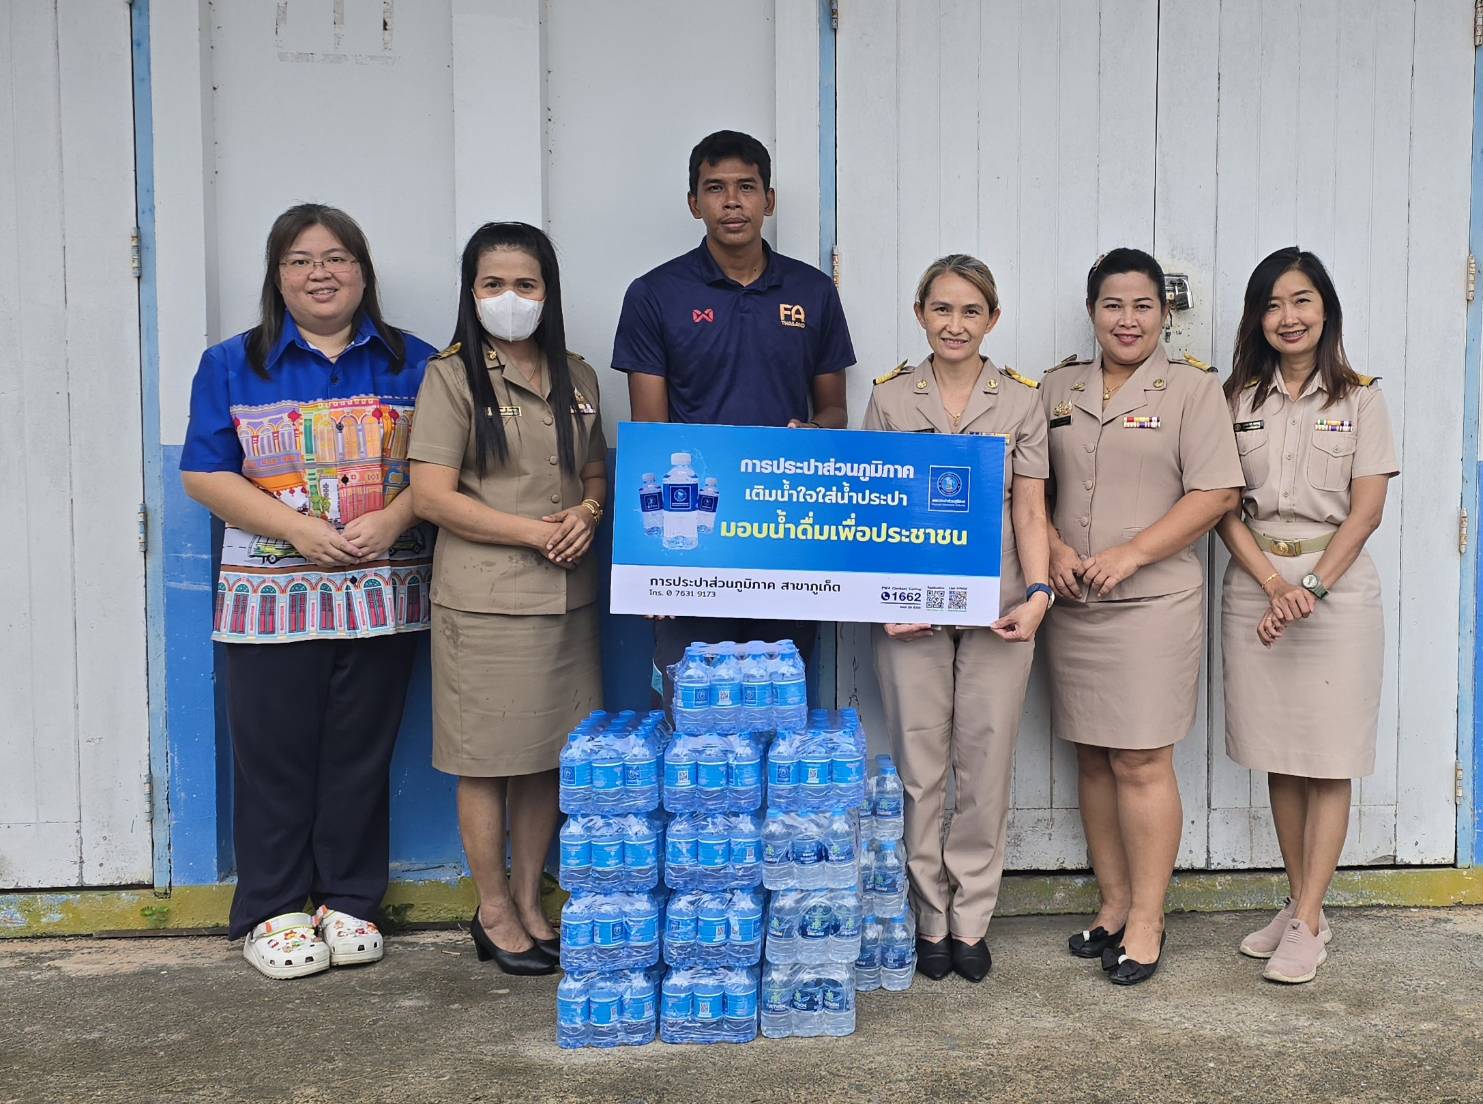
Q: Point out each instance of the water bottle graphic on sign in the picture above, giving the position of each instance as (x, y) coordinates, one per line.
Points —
(680, 506)
(651, 505)
(710, 496)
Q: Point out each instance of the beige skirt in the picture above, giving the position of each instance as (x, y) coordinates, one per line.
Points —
(507, 688)
(1125, 674)
(1308, 705)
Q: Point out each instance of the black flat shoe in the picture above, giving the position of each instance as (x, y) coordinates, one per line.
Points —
(1130, 972)
(1111, 953)
(934, 960)
(1091, 944)
(972, 961)
(531, 963)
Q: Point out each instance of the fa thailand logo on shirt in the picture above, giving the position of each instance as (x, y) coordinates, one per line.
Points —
(791, 315)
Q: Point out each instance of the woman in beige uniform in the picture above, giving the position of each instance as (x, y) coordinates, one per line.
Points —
(509, 460)
(1143, 464)
(1301, 628)
(953, 696)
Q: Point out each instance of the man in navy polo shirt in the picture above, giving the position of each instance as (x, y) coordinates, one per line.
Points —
(733, 333)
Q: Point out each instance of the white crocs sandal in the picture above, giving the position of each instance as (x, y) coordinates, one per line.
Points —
(286, 946)
(351, 941)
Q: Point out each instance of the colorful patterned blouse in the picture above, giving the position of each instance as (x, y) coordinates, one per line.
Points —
(328, 439)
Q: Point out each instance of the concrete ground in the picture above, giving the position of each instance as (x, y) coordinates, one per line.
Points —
(1396, 1014)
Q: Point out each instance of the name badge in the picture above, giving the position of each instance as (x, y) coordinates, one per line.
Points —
(1064, 420)
(1333, 425)
(1243, 427)
(504, 411)
(1141, 421)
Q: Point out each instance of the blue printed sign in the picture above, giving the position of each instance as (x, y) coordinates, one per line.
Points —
(813, 525)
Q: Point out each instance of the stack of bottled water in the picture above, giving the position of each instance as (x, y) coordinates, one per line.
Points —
(604, 931)
(716, 850)
(705, 1005)
(888, 954)
(617, 1008)
(810, 850)
(610, 764)
(714, 771)
(728, 688)
(814, 926)
(808, 1000)
(820, 767)
(611, 852)
(713, 929)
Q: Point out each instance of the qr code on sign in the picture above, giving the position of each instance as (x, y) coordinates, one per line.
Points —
(957, 598)
(935, 596)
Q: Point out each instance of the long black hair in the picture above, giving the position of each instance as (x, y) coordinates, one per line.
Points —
(550, 338)
(286, 229)
(1255, 359)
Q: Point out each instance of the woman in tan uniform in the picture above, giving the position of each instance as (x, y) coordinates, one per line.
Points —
(1143, 464)
(953, 696)
(1301, 626)
(509, 460)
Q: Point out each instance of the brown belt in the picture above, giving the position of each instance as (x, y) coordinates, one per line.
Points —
(1279, 547)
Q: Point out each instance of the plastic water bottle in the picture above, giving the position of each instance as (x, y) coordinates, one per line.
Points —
(816, 929)
(609, 933)
(777, 852)
(641, 773)
(837, 1001)
(638, 1009)
(712, 929)
(641, 853)
(890, 877)
(571, 1011)
(848, 926)
(641, 930)
(744, 774)
(651, 505)
(740, 1005)
(681, 853)
(847, 769)
(607, 775)
(607, 852)
(841, 871)
(886, 813)
(710, 1004)
(676, 1007)
(692, 703)
(712, 774)
(867, 811)
(816, 770)
(679, 775)
(782, 926)
(575, 774)
(808, 999)
(898, 952)
(782, 773)
(681, 515)
(681, 927)
(603, 999)
(745, 927)
(868, 961)
(726, 692)
(777, 1001)
(756, 689)
(709, 498)
(576, 855)
(713, 852)
(576, 933)
(808, 852)
(789, 690)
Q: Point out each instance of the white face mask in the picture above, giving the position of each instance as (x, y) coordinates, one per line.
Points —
(509, 317)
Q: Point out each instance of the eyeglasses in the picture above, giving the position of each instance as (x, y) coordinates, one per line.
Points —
(337, 263)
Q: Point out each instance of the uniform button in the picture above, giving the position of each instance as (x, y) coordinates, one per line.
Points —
(1292, 456)
(1286, 494)
(548, 419)
(1084, 521)
(555, 498)
(1087, 484)
(550, 459)
(1090, 448)
(1293, 421)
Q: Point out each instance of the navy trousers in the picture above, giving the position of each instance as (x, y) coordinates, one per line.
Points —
(313, 728)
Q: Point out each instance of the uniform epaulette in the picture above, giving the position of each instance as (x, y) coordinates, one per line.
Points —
(1033, 385)
(452, 350)
(1194, 362)
(576, 356)
(1067, 362)
(892, 374)
(1250, 384)
(1365, 381)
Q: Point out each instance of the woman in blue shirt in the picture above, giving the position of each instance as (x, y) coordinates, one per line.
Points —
(298, 442)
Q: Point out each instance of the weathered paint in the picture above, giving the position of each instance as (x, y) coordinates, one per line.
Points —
(204, 908)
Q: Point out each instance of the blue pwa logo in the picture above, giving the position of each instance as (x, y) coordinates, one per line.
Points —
(947, 490)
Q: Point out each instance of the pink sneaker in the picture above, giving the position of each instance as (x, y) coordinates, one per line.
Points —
(1297, 957)
(1263, 943)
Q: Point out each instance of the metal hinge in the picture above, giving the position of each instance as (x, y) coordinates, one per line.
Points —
(148, 798)
(143, 518)
(1477, 23)
(136, 266)
(1457, 789)
(1472, 284)
(834, 15)
(1462, 532)
(834, 254)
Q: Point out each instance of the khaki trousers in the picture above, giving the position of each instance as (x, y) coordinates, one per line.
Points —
(954, 699)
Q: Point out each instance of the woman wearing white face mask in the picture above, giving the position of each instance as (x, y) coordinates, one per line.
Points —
(509, 459)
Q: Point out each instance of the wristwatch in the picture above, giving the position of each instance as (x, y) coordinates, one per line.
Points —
(1041, 588)
(1314, 585)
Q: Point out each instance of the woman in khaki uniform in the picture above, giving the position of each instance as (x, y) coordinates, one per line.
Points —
(1301, 625)
(509, 460)
(953, 696)
(1143, 464)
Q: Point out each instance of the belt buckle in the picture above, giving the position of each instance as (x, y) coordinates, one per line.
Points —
(1285, 547)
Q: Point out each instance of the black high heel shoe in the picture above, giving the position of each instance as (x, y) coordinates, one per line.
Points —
(1131, 972)
(531, 963)
(1091, 944)
(972, 961)
(551, 948)
(934, 960)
